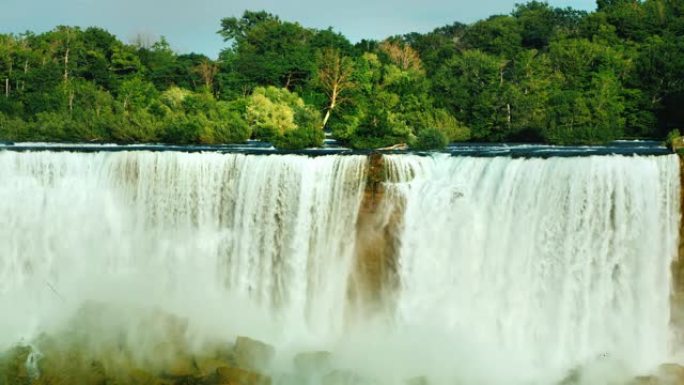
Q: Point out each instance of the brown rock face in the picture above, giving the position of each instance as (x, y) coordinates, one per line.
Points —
(237, 376)
(13, 366)
(671, 374)
(667, 374)
(677, 298)
(378, 223)
(252, 354)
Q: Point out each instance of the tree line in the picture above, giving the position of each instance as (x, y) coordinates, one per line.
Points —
(538, 74)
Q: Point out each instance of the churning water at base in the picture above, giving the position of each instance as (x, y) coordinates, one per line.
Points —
(509, 271)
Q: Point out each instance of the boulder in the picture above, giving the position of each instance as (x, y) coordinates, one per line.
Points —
(671, 374)
(252, 354)
(645, 380)
(667, 374)
(342, 377)
(13, 369)
(236, 376)
(310, 363)
(182, 367)
(676, 142)
(141, 377)
(207, 366)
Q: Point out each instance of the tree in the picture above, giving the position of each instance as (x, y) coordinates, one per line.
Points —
(136, 93)
(334, 76)
(234, 29)
(471, 86)
(538, 22)
(498, 35)
(281, 117)
(659, 74)
(207, 71)
(402, 55)
(268, 51)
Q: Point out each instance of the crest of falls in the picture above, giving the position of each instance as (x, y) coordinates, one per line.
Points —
(501, 271)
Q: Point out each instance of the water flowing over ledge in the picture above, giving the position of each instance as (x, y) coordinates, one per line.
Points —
(332, 147)
(400, 266)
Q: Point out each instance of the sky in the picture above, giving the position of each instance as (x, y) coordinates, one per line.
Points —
(191, 25)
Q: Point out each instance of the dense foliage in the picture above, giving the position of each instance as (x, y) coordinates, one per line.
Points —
(539, 74)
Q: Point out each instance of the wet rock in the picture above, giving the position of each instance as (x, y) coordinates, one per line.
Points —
(13, 369)
(667, 374)
(671, 374)
(310, 363)
(236, 376)
(676, 143)
(182, 367)
(207, 366)
(645, 380)
(252, 354)
(141, 377)
(342, 377)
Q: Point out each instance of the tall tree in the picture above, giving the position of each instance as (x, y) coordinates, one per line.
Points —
(334, 77)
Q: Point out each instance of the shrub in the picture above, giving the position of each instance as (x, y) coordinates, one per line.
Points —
(13, 129)
(281, 117)
(181, 129)
(431, 139)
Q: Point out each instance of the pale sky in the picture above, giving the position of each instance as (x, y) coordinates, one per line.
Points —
(191, 25)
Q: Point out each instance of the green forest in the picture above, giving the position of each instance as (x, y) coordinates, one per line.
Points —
(538, 74)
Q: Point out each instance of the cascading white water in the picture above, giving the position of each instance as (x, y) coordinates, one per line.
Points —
(510, 271)
(239, 244)
(540, 265)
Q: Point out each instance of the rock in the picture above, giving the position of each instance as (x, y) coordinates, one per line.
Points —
(667, 374)
(141, 377)
(645, 380)
(671, 374)
(252, 354)
(13, 368)
(342, 377)
(395, 147)
(312, 362)
(236, 376)
(676, 143)
(207, 366)
(182, 367)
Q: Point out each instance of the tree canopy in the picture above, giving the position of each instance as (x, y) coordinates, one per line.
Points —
(540, 73)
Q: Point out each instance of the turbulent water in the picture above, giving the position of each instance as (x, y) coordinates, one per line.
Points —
(507, 271)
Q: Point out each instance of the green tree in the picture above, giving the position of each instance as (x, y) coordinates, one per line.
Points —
(268, 51)
(498, 35)
(280, 116)
(472, 86)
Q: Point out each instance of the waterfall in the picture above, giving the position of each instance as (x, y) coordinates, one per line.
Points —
(223, 239)
(540, 263)
(507, 271)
